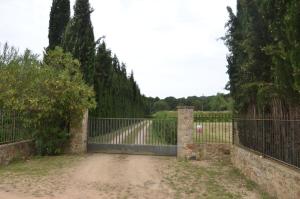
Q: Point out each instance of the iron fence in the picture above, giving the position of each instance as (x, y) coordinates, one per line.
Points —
(12, 127)
(213, 128)
(134, 131)
(278, 139)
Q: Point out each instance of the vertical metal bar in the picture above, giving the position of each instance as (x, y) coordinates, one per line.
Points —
(195, 130)
(119, 130)
(152, 131)
(98, 132)
(293, 144)
(160, 133)
(132, 127)
(143, 132)
(223, 128)
(97, 125)
(233, 131)
(122, 129)
(263, 126)
(209, 123)
(147, 132)
(163, 132)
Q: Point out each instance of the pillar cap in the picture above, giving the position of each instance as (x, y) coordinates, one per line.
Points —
(185, 107)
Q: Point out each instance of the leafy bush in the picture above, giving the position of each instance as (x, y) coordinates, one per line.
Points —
(50, 94)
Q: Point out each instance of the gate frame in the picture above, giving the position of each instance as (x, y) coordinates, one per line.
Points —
(183, 149)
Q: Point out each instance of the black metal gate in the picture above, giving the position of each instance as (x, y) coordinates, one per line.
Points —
(133, 136)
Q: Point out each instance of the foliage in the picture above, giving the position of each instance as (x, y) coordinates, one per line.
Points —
(263, 64)
(161, 105)
(9, 55)
(116, 94)
(79, 39)
(50, 94)
(203, 116)
(59, 18)
(219, 102)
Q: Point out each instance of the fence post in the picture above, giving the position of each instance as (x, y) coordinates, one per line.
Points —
(78, 133)
(185, 129)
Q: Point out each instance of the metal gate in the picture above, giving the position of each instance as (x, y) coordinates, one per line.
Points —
(133, 136)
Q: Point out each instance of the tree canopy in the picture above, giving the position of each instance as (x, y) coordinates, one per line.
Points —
(79, 39)
(263, 65)
(59, 18)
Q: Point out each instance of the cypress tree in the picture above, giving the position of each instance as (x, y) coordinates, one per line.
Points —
(79, 38)
(59, 18)
(263, 64)
(103, 78)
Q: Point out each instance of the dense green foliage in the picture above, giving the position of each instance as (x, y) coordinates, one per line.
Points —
(49, 95)
(79, 39)
(59, 18)
(219, 102)
(264, 63)
(117, 95)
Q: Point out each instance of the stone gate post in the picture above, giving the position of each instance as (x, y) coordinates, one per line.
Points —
(185, 132)
(78, 133)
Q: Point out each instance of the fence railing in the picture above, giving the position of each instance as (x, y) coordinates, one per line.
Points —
(12, 128)
(213, 128)
(278, 139)
(134, 131)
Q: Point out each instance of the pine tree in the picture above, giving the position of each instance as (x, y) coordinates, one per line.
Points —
(59, 18)
(79, 39)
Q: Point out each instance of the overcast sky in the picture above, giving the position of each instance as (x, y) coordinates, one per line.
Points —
(171, 45)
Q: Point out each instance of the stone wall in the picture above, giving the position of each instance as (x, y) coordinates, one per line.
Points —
(16, 151)
(212, 151)
(275, 178)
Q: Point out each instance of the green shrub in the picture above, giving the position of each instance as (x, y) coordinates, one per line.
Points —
(49, 95)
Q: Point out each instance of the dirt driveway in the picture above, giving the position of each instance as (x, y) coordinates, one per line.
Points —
(122, 176)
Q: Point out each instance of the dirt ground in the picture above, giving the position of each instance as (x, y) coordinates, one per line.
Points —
(123, 176)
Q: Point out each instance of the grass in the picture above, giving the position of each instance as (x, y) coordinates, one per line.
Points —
(214, 132)
(155, 139)
(107, 138)
(38, 166)
(210, 180)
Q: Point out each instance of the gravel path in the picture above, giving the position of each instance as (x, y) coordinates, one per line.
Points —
(108, 176)
(96, 176)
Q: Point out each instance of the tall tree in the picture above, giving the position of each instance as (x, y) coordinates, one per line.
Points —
(263, 64)
(59, 18)
(79, 39)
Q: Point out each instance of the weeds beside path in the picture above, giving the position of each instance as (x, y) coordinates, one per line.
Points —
(123, 176)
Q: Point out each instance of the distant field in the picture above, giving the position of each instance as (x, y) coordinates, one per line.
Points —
(213, 132)
(216, 126)
(164, 114)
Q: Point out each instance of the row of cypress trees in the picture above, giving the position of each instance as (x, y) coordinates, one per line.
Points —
(117, 95)
(263, 38)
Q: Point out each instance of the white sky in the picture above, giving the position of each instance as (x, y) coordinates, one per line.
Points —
(171, 45)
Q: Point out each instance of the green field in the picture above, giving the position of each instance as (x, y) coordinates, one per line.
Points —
(214, 132)
(217, 126)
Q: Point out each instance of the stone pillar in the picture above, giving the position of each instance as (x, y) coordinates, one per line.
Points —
(78, 133)
(185, 133)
